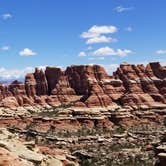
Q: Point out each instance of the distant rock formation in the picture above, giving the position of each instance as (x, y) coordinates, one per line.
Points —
(89, 86)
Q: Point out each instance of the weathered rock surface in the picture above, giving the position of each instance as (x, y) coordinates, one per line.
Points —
(89, 86)
(144, 85)
(17, 153)
(7, 158)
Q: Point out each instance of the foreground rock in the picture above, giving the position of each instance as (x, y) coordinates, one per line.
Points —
(7, 158)
(17, 153)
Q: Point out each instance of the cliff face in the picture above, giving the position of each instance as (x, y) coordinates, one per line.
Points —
(89, 86)
(143, 85)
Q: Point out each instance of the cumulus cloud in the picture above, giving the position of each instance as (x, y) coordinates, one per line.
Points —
(161, 52)
(6, 74)
(6, 16)
(97, 34)
(106, 51)
(12, 74)
(123, 52)
(96, 31)
(103, 29)
(27, 52)
(121, 9)
(86, 35)
(100, 34)
(100, 39)
(82, 54)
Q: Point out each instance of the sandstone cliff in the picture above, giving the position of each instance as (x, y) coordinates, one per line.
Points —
(90, 86)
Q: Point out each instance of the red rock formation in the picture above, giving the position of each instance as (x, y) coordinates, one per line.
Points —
(59, 88)
(143, 84)
(4, 92)
(10, 102)
(17, 88)
(87, 81)
(41, 82)
(52, 75)
(89, 86)
(30, 85)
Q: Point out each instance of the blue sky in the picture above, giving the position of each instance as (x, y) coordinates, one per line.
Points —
(52, 32)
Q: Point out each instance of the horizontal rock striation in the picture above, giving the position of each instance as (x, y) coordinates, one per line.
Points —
(137, 86)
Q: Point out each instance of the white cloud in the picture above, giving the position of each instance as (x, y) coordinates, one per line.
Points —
(121, 9)
(161, 52)
(82, 54)
(96, 31)
(11, 74)
(123, 53)
(100, 39)
(27, 52)
(106, 51)
(5, 48)
(103, 29)
(6, 74)
(89, 35)
(129, 29)
(111, 68)
(6, 16)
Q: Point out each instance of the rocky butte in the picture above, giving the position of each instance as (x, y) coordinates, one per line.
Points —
(86, 86)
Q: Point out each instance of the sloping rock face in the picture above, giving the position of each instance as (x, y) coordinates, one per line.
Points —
(17, 152)
(89, 86)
